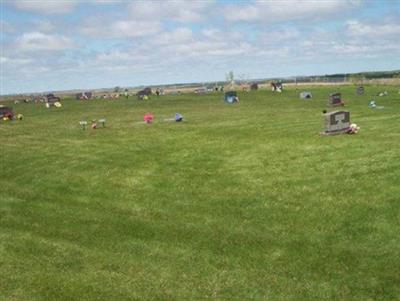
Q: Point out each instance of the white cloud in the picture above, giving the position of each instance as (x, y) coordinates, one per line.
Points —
(177, 36)
(279, 36)
(119, 56)
(357, 49)
(274, 11)
(178, 10)
(14, 61)
(359, 29)
(135, 28)
(40, 41)
(46, 7)
(217, 34)
(120, 29)
(44, 26)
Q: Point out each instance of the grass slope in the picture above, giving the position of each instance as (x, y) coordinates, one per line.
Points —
(239, 202)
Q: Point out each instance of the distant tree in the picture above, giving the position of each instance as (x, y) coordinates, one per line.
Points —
(116, 89)
(230, 78)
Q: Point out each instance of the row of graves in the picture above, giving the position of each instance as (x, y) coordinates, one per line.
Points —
(245, 87)
(141, 95)
(49, 99)
(148, 118)
(336, 122)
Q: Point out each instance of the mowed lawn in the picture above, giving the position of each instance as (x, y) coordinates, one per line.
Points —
(238, 202)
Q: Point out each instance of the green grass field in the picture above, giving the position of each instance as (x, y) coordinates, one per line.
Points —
(238, 202)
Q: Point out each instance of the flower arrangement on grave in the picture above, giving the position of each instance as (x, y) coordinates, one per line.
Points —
(373, 105)
(148, 118)
(94, 124)
(353, 129)
(20, 116)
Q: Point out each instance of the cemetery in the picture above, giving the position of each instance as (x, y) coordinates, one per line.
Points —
(199, 183)
(190, 150)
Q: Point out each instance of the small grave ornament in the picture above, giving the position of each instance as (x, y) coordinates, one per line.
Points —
(148, 118)
(103, 122)
(373, 105)
(353, 129)
(83, 124)
(360, 90)
(178, 117)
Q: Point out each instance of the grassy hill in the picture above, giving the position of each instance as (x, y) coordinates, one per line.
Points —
(238, 202)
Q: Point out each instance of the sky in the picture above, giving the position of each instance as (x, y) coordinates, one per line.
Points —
(75, 44)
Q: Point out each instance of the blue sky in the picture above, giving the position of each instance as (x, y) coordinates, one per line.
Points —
(60, 45)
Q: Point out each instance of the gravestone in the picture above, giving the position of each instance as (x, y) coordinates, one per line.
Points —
(360, 90)
(254, 86)
(337, 122)
(231, 97)
(335, 99)
(305, 95)
(6, 112)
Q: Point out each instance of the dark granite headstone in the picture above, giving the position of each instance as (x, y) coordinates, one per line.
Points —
(335, 99)
(337, 122)
(360, 90)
